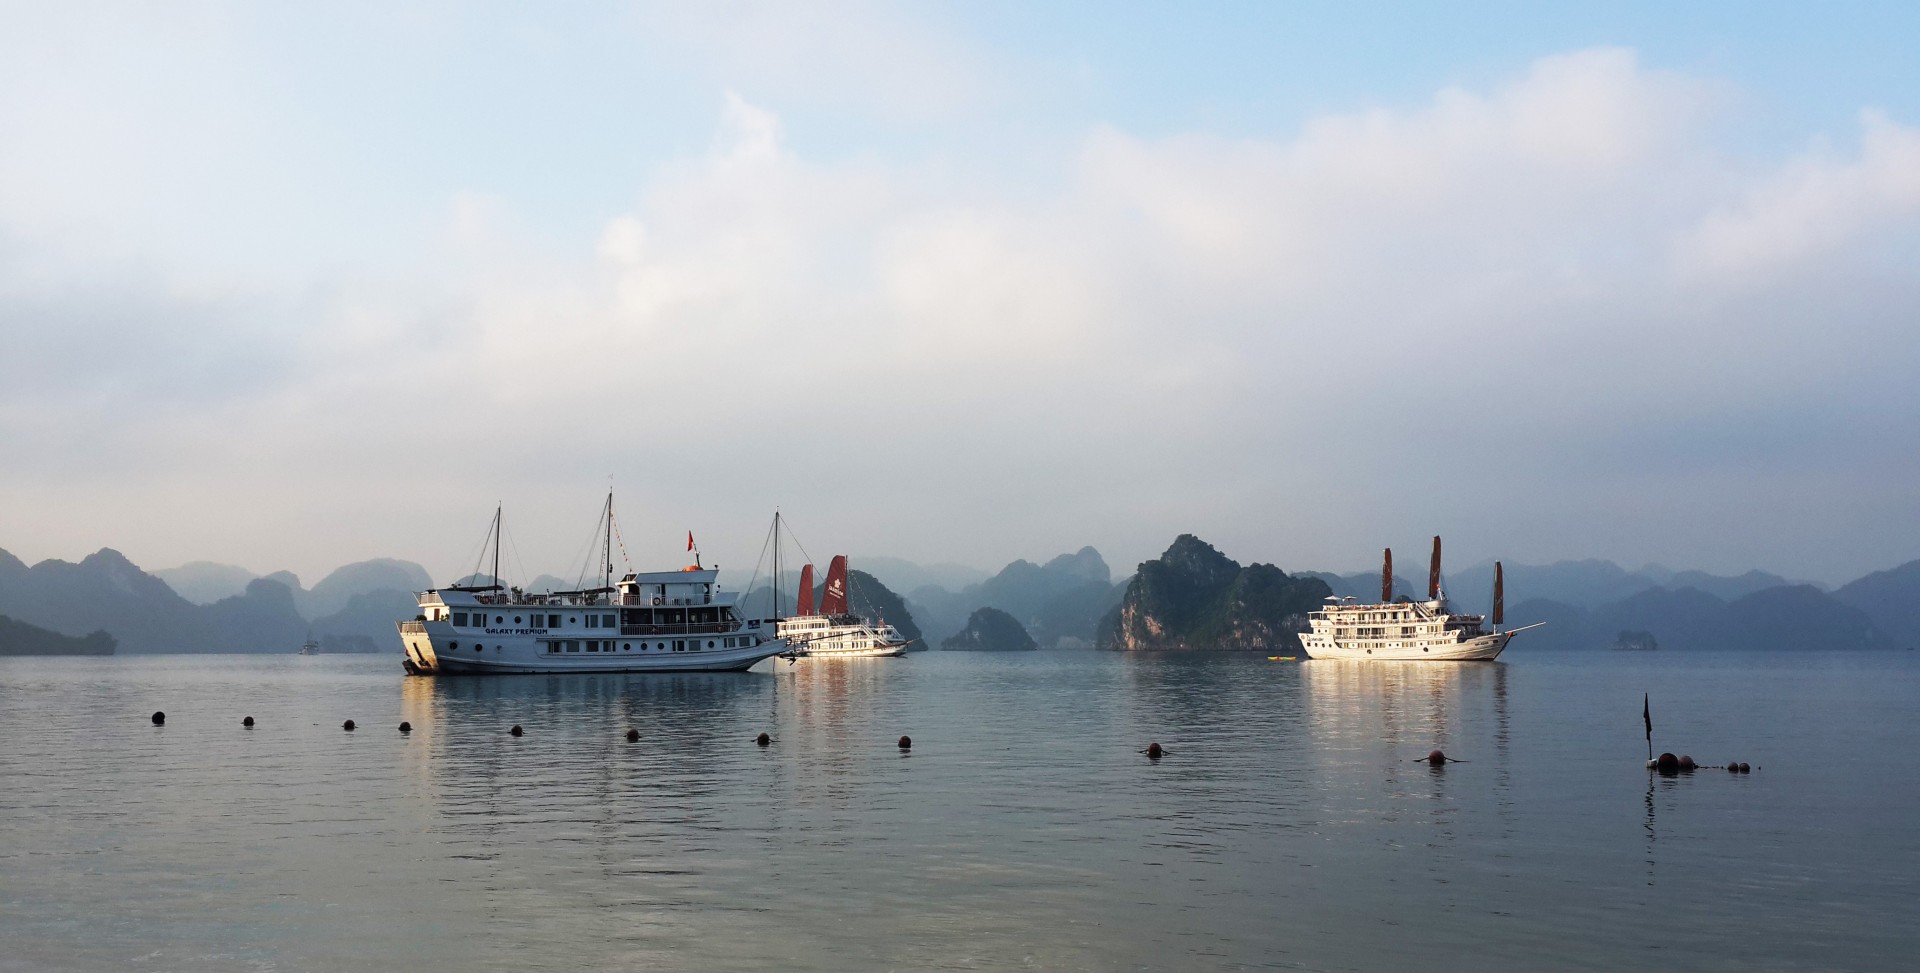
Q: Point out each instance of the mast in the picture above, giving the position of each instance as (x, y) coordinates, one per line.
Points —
(1386, 580)
(496, 545)
(1433, 573)
(776, 570)
(1499, 596)
(606, 555)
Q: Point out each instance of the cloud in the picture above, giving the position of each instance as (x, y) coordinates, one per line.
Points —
(1390, 321)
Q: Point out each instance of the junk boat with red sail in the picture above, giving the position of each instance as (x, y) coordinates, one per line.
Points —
(1409, 630)
(658, 621)
(833, 631)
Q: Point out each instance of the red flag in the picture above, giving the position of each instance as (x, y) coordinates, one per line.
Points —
(689, 540)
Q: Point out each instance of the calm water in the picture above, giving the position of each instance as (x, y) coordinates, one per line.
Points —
(1289, 827)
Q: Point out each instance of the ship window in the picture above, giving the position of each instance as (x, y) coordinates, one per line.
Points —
(606, 621)
(516, 619)
(460, 618)
(709, 643)
(593, 621)
(679, 645)
(553, 646)
(496, 619)
(593, 646)
(730, 643)
(627, 646)
(573, 645)
(553, 621)
(453, 645)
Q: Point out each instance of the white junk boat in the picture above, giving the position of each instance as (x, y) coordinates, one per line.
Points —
(660, 621)
(834, 632)
(1409, 630)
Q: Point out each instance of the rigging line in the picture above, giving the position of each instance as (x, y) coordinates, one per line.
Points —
(580, 582)
(622, 541)
(514, 546)
(747, 592)
(480, 556)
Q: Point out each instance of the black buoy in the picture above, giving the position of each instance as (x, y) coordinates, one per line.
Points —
(406, 727)
(248, 722)
(1733, 767)
(1436, 758)
(633, 736)
(347, 726)
(516, 731)
(159, 718)
(1153, 751)
(906, 743)
(764, 740)
(1667, 763)
(1687, 764)
(1744, 768)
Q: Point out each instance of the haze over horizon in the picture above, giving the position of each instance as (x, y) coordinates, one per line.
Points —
(292, 288)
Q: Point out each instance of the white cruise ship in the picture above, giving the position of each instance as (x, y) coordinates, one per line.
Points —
(834, 632)
(661, 621)
(1409, 630)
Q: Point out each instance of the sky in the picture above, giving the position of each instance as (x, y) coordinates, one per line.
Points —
(293, 285)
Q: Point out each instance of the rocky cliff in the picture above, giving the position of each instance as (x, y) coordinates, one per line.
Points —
(1194, 597)
(991, 630)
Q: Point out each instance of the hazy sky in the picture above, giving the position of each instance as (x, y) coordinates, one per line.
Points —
(294, 285)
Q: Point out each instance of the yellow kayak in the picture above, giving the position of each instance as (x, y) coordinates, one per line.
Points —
(1281, 658)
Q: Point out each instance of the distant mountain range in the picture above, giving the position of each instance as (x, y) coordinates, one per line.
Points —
(1588, 604)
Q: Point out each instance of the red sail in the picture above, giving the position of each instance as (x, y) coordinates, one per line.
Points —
(1386, 580)
(833, 600)
(1433, 573)
(806, 592)
(1499, 595)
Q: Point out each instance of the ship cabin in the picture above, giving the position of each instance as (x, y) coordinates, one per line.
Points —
(659, 611)
(1422, 620)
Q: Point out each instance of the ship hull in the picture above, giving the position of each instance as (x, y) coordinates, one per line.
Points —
(426, 655)
(1482, 648)
(878, 651)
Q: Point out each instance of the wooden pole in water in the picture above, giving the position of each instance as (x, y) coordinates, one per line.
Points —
(1646, 714)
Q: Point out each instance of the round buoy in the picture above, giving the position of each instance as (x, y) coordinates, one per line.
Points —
(1733, 767)
(1687, 764)
(1153, 751)
(633, 736)
(1436, 757)
(516, 731)
(159, 718)
(406, 727)
(1744, 768)
(906, 743)
(348, 726)
(248, 722)
(1668, 763)
(764, 739)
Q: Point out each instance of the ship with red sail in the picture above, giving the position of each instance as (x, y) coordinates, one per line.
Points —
(832, 630)
(1410, 630)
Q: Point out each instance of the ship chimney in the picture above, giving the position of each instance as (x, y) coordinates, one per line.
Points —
(1433, 573)
(1499, 595)
(1386, 580)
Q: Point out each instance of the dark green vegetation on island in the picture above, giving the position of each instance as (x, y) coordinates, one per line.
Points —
(19, 638)
(1194, 597)
(990, 630)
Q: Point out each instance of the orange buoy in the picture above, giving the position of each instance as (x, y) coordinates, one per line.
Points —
(406, 727)
(763, 739)
(906, 743)
(516, 731)
(633, 736)
(159, 718)
(1687, 764)
(248, 722)
(347, 726)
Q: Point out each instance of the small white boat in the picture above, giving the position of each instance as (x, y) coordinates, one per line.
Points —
(1425, 631)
